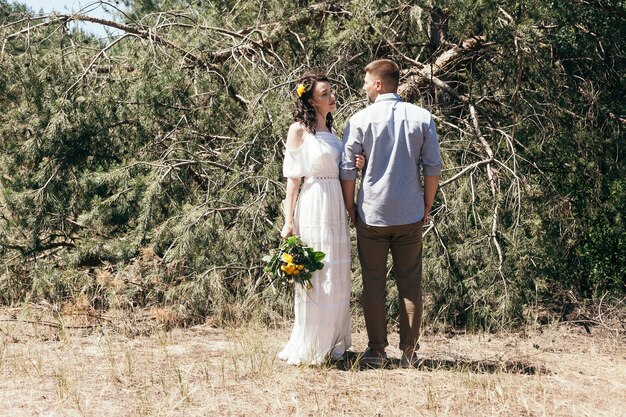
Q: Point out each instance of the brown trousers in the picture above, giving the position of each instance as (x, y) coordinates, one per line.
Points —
(405, 243)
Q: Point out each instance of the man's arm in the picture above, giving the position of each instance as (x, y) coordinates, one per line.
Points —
(347, 169)
(431, 166)
(347, 188)
(431, 183)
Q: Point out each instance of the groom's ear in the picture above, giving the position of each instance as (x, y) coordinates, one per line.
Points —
(379, 85)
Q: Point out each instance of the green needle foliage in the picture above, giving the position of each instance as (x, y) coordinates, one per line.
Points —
(145, 169)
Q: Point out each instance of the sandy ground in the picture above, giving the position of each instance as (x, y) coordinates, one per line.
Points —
(46, 370)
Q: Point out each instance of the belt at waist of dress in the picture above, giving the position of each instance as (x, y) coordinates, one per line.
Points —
(317, 178)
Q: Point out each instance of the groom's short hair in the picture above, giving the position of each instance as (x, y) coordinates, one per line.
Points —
(388, 72)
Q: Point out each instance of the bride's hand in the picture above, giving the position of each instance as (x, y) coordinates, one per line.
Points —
(359, 161)
(288, 230)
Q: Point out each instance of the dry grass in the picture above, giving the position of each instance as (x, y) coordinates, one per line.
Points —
(106, 371)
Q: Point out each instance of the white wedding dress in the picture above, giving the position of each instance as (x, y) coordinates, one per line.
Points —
(322, 328)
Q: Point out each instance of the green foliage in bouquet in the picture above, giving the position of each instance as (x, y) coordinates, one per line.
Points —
(293, 262)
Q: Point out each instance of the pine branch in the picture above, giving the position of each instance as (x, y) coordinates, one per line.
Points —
(423, 74)
(140, 32)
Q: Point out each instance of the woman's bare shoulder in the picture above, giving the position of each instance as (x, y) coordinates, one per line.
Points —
(297, 128)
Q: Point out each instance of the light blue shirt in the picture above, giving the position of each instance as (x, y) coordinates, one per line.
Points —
(397, 138)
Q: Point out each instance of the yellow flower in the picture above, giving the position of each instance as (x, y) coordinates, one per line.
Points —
(286, 258)
(300, 267)
(283, 267)
(296, 271)
(300, 89)
(308, 286)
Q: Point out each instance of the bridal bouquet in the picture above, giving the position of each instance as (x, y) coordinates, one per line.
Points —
(293, 262)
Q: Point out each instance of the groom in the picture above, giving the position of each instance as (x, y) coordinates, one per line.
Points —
(398, 139)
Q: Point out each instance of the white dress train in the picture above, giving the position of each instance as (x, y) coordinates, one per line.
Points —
(322, 327)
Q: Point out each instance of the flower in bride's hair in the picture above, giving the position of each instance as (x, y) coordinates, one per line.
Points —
(300, 89)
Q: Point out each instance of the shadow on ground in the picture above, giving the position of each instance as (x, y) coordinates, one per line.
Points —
(351, 362)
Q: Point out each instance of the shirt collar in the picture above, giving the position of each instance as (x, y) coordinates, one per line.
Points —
(387, 97)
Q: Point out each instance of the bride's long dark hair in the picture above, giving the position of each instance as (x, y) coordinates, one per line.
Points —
(305, 112)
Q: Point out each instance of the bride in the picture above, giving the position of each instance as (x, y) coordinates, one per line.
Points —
(322, 327)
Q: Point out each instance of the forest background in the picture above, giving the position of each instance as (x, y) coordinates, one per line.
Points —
(144, 170)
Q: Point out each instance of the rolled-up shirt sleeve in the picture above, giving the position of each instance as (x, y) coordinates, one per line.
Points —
(430, 156)
(352, 145)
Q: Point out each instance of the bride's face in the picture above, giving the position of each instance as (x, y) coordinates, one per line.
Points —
(323, 99)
